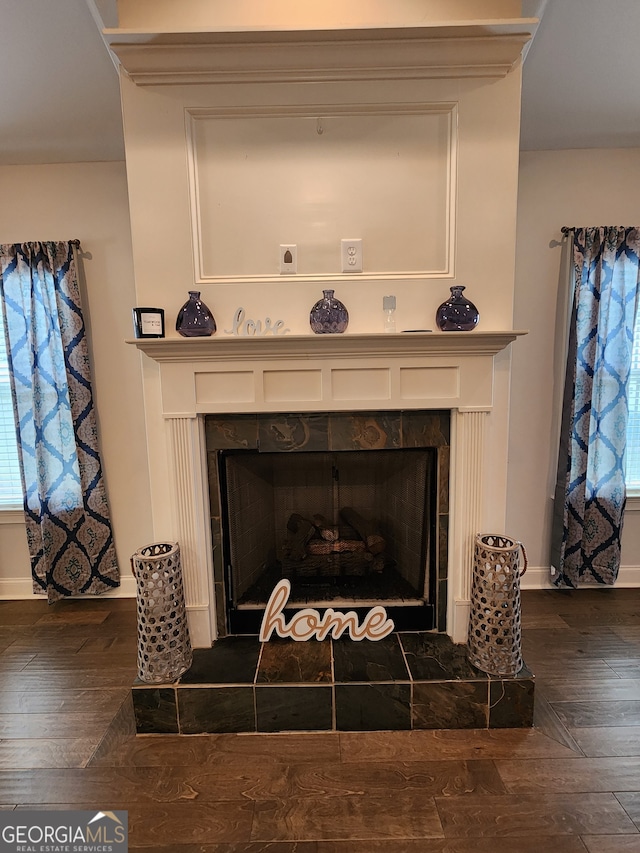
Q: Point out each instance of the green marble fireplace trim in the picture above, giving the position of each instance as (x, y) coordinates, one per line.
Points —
(290, 433)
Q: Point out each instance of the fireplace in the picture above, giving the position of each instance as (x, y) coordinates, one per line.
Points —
(229, 401)
(357, 392)
(264, 467)
(424, 112)
(401, 130)
(351, 508)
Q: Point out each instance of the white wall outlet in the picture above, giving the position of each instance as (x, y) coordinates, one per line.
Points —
(351, 255)
(288, 259)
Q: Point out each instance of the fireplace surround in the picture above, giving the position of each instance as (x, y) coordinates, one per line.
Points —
(391, 465)
(412, 679)
(457, 373)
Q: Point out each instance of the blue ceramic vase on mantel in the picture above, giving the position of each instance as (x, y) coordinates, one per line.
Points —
(328, 316)
(194, 319)
(457, 314)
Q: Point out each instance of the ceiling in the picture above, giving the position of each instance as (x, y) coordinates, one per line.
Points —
(581, 77)
(59, 98)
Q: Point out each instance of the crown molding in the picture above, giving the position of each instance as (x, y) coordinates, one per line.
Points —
(460, 49)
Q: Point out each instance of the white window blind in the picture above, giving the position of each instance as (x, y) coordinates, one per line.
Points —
(633, 427)
(10, 484)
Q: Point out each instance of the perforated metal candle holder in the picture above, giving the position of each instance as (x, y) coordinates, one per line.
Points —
(164, 647)
(495, 634)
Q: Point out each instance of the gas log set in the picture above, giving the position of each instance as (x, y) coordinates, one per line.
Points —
(316, 547)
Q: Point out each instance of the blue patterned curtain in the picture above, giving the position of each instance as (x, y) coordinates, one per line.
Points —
(67, 516)
(590, 492)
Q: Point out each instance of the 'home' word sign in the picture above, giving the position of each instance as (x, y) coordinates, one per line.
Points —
(254, 328)
(307, 624)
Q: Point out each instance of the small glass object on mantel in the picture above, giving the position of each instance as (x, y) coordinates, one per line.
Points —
(328, 316)
(389, 309)
(457, 314)
(194, 319)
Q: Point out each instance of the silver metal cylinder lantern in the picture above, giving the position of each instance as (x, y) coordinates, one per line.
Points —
(495, 635)
(164, 647)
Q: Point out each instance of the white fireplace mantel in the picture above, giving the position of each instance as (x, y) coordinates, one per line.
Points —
(326, 372)
(288, 346)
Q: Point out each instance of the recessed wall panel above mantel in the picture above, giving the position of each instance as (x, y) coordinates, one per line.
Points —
(312, 175)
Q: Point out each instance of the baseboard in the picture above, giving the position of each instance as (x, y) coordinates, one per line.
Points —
(17, 588)
(539, 577)
(458, 630)
(200, 626)
(536, 577)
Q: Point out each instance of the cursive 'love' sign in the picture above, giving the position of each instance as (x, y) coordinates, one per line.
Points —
(307, 624)
(254, 328)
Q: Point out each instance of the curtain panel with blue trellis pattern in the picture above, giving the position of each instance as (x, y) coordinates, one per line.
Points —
(67, 515)
(590, 490)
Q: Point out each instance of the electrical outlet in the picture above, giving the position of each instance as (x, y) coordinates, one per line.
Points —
(351, 251)
(288, 259)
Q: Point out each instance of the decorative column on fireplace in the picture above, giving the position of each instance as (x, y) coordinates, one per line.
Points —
(190, 510)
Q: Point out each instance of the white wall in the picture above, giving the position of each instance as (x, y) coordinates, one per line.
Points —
(167, 14)
(581, 188)
(89, 201)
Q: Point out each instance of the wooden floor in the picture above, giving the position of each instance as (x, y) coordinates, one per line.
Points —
(570, 784)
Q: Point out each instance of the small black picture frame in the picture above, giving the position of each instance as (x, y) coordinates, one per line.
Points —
(148, 322)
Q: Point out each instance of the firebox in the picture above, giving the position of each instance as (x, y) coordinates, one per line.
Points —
(349, 528)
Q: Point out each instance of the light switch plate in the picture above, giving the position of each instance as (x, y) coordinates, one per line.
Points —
(288, 259)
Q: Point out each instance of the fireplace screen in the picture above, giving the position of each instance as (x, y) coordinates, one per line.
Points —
(348, 526)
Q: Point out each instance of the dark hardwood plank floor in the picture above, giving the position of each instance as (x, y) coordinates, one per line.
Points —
(569, 785)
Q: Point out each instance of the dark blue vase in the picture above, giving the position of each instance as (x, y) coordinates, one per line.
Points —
(328, 316)
(194, 319)
(457, 314)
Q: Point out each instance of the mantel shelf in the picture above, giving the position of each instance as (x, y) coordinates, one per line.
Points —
(414, 344)
(483, 48)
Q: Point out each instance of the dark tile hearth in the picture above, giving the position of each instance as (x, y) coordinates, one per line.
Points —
(373, 707)
(450, 705)
(288, 662)
(155, 710)
(368, 660)
(232, 660)
(215, 710)
(406, 681)
(293, 708)
(433, 657)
